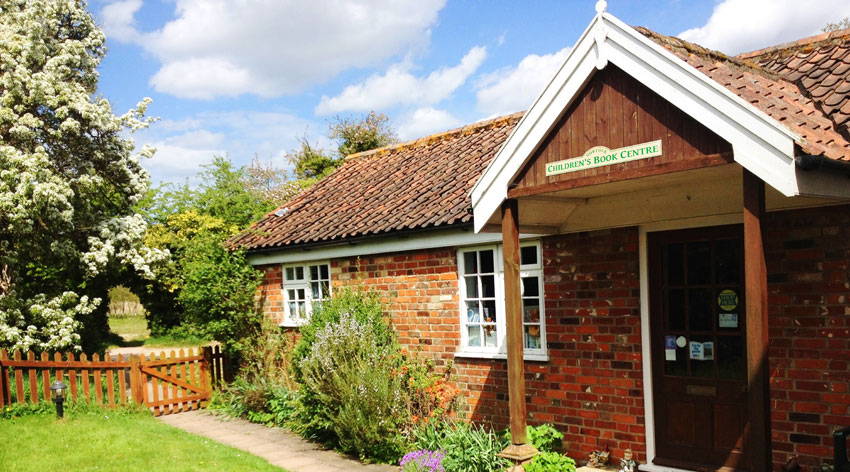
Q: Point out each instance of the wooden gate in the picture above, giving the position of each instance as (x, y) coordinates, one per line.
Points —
(165, 383)
(174, 383)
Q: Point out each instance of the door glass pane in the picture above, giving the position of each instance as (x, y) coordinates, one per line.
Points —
(701, 355)
(675, 310)
(701, 309)
(674, 264)
(699, 262)
(730, 357)
(676, 360)
(728, 261)
(728, 309)
(314, 272)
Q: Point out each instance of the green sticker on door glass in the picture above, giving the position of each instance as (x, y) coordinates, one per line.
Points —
(727, 300)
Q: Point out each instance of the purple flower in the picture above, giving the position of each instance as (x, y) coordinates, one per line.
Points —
(422, 460)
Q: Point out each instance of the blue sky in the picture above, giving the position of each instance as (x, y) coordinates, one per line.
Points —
(246, 78)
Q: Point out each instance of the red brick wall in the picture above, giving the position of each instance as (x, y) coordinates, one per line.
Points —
(419, 287)
(591, 388)
(270, 292)
(808, 263)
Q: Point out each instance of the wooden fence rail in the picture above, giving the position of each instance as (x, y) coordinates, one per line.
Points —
(165, 383)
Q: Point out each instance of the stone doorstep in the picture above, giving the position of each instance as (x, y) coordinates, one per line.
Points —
(588, 468)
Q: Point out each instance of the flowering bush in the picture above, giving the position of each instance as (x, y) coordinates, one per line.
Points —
(69, 179)
(51, 324)
(422, 460)
(358, 389)
(432, 394)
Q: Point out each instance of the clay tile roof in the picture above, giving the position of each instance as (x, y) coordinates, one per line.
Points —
(795, 84)
(820, 66)
(414, 185)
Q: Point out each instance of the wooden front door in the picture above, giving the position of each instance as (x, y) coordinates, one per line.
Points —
(699, 347)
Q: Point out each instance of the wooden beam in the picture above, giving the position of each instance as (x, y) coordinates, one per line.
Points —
(554, 199)
(657, 169)
(513, 318)
(524, 229)
(757, 439)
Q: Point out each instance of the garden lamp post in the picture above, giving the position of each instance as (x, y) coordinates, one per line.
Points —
(58, 388)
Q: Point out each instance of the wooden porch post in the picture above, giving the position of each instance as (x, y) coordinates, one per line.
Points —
(757, 440)
(519, 450)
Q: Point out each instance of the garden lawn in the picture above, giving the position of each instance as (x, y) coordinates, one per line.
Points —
(133, 329)
(114, 441)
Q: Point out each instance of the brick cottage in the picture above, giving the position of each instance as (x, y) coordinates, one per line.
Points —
(663, 237)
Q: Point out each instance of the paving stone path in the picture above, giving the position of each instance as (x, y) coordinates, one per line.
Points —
(278, 446)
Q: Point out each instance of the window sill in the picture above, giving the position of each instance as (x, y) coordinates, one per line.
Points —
(292, 324)
(501, 356)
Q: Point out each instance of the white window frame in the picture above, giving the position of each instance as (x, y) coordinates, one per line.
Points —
(526, 270)
(291, 319)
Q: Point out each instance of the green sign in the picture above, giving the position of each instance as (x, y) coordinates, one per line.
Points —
(600, 156)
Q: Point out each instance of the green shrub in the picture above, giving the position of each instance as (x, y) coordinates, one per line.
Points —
(365, 307)
(351, 389)
(257, 401)
(550, 462)
(467, 448)
(544, 437)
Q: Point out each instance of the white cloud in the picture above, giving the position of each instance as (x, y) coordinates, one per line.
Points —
(515, 88)
(425, 121)
(738, 26)
(184, 145)
(118, 20)
(276, 47)
(399, 87)
(175, 163)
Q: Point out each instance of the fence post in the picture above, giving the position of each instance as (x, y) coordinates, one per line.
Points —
(136, 379)
(207, 371)
(4, 380)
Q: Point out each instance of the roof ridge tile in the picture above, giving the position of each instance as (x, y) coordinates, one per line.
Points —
(465, 130)
(799, 44)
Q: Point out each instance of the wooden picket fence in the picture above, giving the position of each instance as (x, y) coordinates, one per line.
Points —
(165, 383)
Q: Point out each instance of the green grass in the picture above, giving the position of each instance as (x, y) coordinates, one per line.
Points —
(133, 330)
(114, 441)
(130, 328)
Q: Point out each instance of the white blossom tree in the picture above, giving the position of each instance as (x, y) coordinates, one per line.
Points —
(69, 179)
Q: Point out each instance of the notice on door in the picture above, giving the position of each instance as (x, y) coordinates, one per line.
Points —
(669, 348)
(702, 351)
(728, 320)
